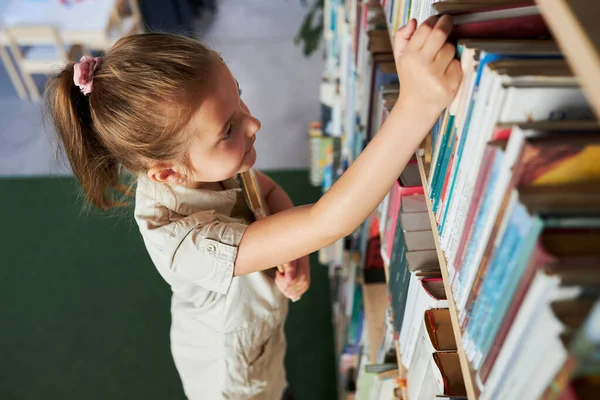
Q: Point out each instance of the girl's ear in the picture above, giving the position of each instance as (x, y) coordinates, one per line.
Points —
(163, 173)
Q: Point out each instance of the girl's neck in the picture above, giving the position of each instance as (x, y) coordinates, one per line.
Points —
(215, 186)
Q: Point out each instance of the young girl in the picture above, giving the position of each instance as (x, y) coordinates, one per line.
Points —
(168, 109)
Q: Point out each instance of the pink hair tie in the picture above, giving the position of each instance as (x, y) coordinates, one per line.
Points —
(83, 73)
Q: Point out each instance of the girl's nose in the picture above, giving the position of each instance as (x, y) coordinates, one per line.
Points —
(253, 126)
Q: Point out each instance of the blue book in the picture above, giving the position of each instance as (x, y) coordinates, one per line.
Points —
(502, 251)
(459, 285)
(441, 177)
(406, 12)
(511, 276)
(520, 236)
(445, 132)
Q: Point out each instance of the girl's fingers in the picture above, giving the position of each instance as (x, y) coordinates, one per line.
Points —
(422, 33)
(444, 57)
(403, 36)
(289, 270)
(437, 38)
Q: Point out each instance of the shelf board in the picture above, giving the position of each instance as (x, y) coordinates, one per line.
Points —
(401, 371)
(376, 302)
(468, 376)
(574, 24)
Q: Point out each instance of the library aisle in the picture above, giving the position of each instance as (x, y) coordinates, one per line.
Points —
(478, 276)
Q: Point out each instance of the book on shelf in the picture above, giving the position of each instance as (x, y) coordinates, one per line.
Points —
(435, 368)
(513, 184)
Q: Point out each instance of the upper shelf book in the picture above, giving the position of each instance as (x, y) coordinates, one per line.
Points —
(574, 24)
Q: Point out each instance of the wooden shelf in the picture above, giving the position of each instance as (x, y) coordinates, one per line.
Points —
(472, 390)
(376, 302)
(574, 24)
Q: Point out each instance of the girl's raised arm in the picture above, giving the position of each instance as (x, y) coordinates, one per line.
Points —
(429, 78)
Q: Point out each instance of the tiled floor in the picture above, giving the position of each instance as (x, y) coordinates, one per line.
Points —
(255, 37)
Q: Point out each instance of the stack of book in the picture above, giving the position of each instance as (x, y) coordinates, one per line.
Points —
(493, 258)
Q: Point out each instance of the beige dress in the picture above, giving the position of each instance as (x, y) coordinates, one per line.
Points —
(227, 335)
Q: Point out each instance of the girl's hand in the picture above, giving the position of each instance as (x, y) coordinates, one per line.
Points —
(295, 279)
(429, 75)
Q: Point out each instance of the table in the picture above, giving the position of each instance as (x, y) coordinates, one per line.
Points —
(83, 22)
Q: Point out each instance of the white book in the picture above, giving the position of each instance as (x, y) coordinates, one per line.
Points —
(414, 317)
(471, 157)
(549, 364)
(407, 321)
(486, 103)
(543, 290)
(433, 382)
(419, 363)
(415, 10)
(426, 10)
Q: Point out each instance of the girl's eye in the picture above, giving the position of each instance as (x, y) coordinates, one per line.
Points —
(240, 91)
(227, 134)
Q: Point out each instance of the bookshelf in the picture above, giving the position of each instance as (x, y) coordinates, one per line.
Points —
(490, 327)
(472, 391)
(574, 24)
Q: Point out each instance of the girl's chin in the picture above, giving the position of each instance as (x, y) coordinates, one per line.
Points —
(248, 160)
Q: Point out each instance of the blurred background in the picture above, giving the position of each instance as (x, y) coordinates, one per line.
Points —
(83, 312)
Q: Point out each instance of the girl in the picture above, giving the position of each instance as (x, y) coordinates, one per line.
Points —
(168, 109)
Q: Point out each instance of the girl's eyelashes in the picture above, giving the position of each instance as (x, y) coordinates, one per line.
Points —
(240, 91)
(227, 134)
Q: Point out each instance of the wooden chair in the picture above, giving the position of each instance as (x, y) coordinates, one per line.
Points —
(10, 67)
(39, 50)
(125, 20)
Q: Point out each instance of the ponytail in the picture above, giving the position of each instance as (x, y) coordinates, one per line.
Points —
(97, 170)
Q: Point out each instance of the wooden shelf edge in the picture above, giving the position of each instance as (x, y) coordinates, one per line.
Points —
(576, 44)
(375, 297)
(472, 392)
(401, 370)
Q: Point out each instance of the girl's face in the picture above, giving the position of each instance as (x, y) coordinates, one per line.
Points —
(222, 132)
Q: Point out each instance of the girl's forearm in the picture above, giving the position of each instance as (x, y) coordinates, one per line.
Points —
(347, 203)
(298, 231)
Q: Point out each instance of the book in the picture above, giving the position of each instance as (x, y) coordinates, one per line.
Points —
(525, 150)
(419, 301)
(413, 213)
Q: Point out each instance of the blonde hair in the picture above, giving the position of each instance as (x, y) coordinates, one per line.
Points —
(144, 94)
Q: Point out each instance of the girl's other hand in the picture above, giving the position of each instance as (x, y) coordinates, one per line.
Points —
(294, 281)
(428, 72)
